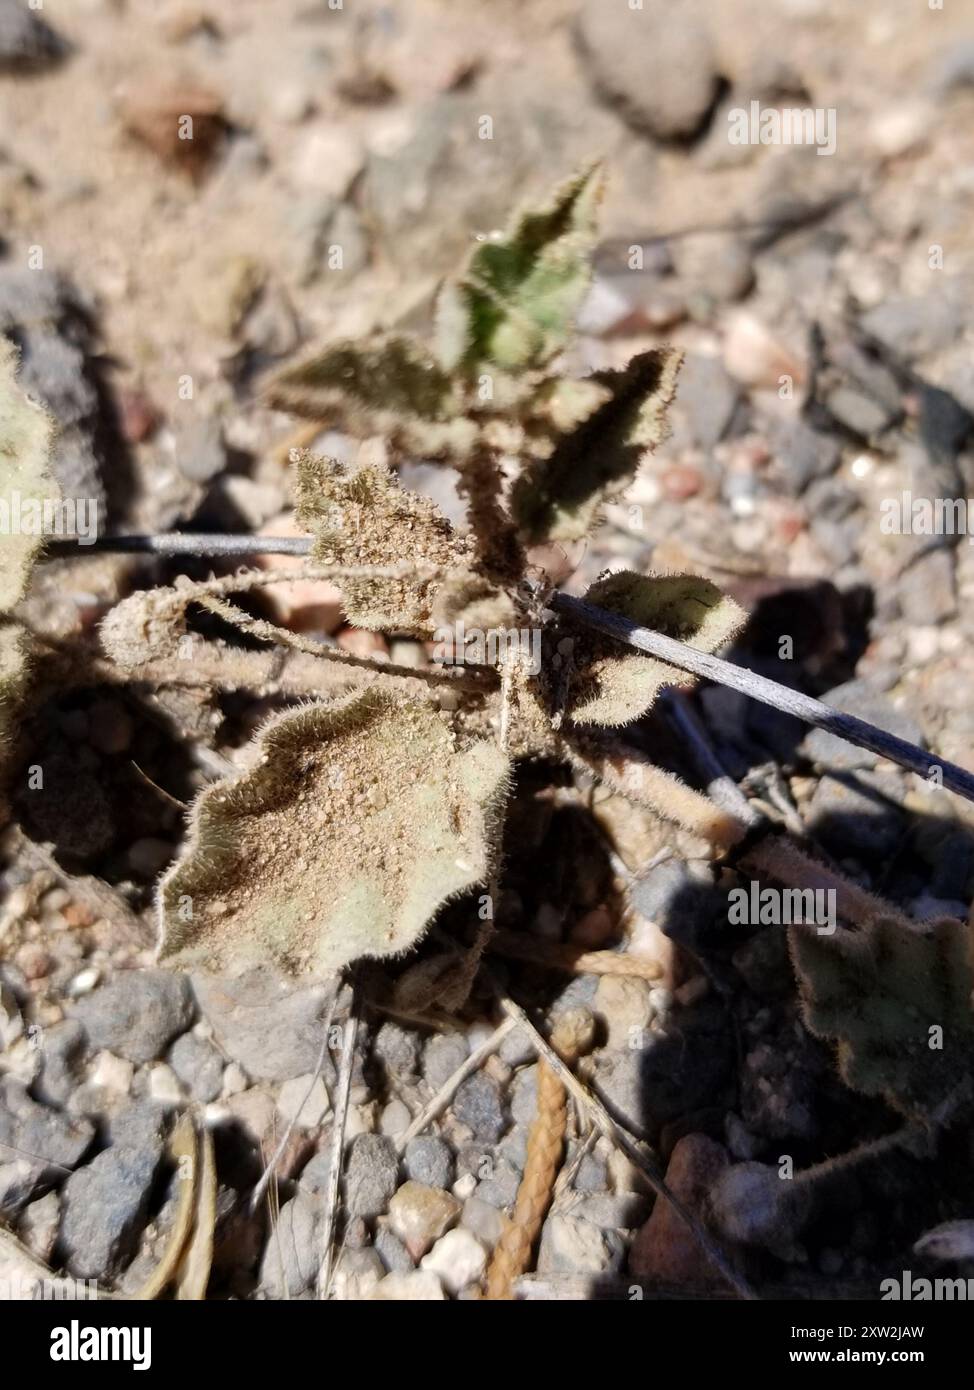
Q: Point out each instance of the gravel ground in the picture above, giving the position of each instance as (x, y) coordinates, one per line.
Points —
(338, 170)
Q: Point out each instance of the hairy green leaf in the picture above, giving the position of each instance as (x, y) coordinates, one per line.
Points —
(514, 305)
(389, 387)
(896, 999)
(359, 515)
(603, 428)
(358, 820)
(613, 685)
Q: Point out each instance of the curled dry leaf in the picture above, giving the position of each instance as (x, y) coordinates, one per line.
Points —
(612, 685)
(188, 1253)
(895, 998)
(514, 305)
(359, 515)
(601, 429)
(358, 821)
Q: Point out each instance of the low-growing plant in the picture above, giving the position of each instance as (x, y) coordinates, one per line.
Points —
(359, 813)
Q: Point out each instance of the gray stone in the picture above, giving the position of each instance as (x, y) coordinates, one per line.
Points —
(517, 1049)
(917, 327)
(478, 1105)
(679, 900)
(398, 1050)
(661, 75)
(372, 1175)
(199, 1066)
(570, 1245)
(429, 1159)
(442, 1056)
(752, 1204)
(314, 1174)
(43, 315)
(261, 1021)
(105, 1202)
(40, 1143)
(514, 1146)
(291, 1255)
(28, 44)
(500, 1188)
(200, 448)
(592, 1175)
(137, 1013)
(801, 454)
(524, 1095)
(864, 699)
(62, 1052)
(623, 1211)
(705, 406)
(925, 590)
(392, 1252)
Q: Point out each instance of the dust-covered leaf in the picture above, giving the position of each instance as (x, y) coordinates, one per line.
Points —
(358, 820)
(26, 483)
(611, 684)
(895, 998)
(514, 305)
(601, 429)
(388, 386)
(359, 515)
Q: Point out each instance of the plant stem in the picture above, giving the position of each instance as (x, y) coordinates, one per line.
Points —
(576, 610)
(804, 707)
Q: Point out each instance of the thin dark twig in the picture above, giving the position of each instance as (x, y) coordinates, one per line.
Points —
(804, 707)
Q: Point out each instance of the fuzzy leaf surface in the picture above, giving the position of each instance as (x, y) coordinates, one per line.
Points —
(388, 386)
(514, 305)
(877, 993)
(359, 515)
(613, 685)
(359, 819)
(603, 428)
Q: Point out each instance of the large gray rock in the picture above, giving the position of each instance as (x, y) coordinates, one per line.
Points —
(44, 316)
(866, 700)
(36, 1143)
(261, 1021)
(105, 1202)
(28, 44)
(656, 65)
(372, 1175)
(137, 1013)
(291, 1256)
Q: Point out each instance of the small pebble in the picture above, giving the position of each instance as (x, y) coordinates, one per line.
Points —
(419, 1215)
(458, 1259)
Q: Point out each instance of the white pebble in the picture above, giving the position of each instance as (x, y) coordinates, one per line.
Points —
(458, 1258)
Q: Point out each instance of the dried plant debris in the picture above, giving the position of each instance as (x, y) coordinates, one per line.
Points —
(358, 821)
(613, 685)
(896, 1000)
(361, 516)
